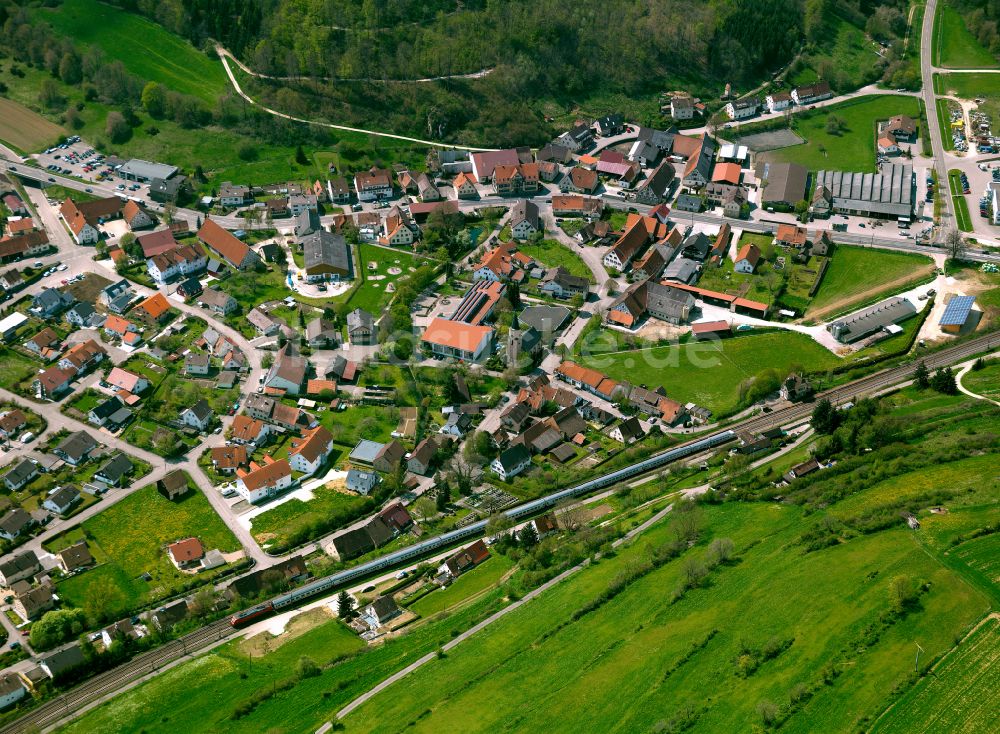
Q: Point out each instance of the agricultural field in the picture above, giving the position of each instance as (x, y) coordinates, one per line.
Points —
(554, 254)
(954, 47)
(852, 147)
(710, 373)
(958, 697)
(128, 540)
(145, 48)
(858, 274)
(985, 382)
(24, 129)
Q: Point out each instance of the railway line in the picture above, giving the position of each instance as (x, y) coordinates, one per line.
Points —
(71, 702)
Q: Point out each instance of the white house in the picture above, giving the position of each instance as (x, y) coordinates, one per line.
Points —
(198, 415)
(265, 481)
(523, 219)
(511, 462)
(311, 451)
(747, 258)
(778, 101)
(741, 109)
(12, 690)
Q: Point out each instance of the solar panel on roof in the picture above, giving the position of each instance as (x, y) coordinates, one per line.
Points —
(957, 310)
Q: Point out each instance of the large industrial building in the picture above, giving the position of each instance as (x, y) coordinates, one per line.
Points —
(887, 195)
(867, 321)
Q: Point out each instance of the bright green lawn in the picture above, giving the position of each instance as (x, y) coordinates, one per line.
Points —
(984, 382)
(15, 368)
(853, 149)
(468, 584)
(128, 539)
(555, 254)
(954, 46)
(858, 274)
(968, 86)
(294, 518)
(147, 49)
(710, 373)
(372, 294)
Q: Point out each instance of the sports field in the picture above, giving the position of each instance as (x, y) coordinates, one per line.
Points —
(26, 130)
(145, 48)
(954, 47)
(710, 373)
(860, 274)
(852, 146)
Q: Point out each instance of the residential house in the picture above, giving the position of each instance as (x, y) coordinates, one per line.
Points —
(375, 183)
(465, 186)
(660, 301)
(560, 283)
(580, 181)
(83, 356)
(190, 287)
(110, 413)
(83, 316)
(34, 602)
(796, 387)
(611, 124)
(299, 203)
(457, 424)
(698, 171)
(810, 93)
(85, 218)
(361, 327)
(577, 206)
(19, 567)
(902, 128)
(153, 310)
(52, 382)
(656, 189)
(421, 460)
(628, 246)
(309, 453)
(788, 235)
(338, 190)
(465, 560)
(590, 380)
(627, 432)
(61, 500)
(523, 221)
(227, 459)
(232, 196)
(50, 302)
(136, 217)
(197, 363)
(218, 301)
(778, 101)
(46, 344)
(198, 416)
(361, 482)
(681, 107)
(264, 323)
(74, 557)
(389, 456)
(76, 448)
(321, 334)
(130, 382)
(186, 553)
(117, 297)
(287, 373)
(578, 139)
(264, 481)
(57, 664)
(11, 422)
(747, 258)
(176, 262)
(222, 242)
(741, 109)
(115, 471)
(23, 472)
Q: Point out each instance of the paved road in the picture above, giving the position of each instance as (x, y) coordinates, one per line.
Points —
(930, 105)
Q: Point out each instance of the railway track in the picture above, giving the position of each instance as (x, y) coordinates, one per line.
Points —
(71, 702)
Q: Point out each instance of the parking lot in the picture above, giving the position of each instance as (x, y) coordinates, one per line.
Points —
(77, 158)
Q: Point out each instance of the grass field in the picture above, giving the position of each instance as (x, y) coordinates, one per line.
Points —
(710, 373)
(956, 698)
(145, 48)
(555, 254)
(858, 274)
(294, 518)
(944, 122)
(954, 47)
(26, 130)
(984, 382)
(968, 86)
(467, 585)
(128, 540)
(372, 295)
(853, 148)
(961, 206)
(15, 368)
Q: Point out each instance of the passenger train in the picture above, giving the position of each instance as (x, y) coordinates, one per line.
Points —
(445, 540)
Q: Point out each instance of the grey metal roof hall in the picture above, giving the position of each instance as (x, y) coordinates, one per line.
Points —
(140, 170)
(887, 194)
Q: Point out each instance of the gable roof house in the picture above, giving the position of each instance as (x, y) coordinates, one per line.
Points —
(326, 256)
(309, 453)
(22, 472)
(375, 183)
(85, 218)
(111, 413)
(52, 381)
(234, 195)
(656, 188)
(50, 301)
(465, 560)
(227, 459)
(264, 481)
(562, 284)
(197, 416)
(321, 333)
(222, 242)
(455, 339)
(523, 220)
(698, 171)
(660, 301)
(628, 245)
(747, 258)
(34, 602)
(11, 422)
(511, 462)
(83, 356)
(810, 93)
(287, 373)
(264, 323)
(135, 216)
(579, 180)
(178, 261)
(361, 327)
(75, 448)
(217, 301)
(579, 138)
(19, 567)
(628, 431)
(45, 344)
(115, 471)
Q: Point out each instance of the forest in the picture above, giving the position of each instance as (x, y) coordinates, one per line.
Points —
(981, 18)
